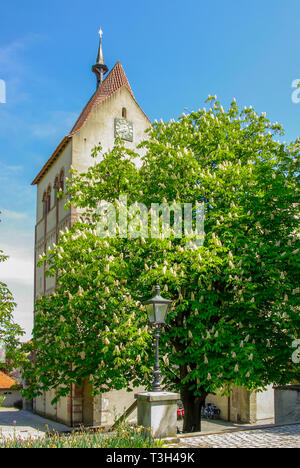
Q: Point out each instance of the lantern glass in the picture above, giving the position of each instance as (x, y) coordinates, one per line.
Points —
(161, 311)
(150, 312)
(157, 308)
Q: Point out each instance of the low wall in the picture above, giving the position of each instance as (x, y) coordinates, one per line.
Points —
(287, 404)
(10, 397)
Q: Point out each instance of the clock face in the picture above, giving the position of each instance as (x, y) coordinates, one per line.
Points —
(123, 129)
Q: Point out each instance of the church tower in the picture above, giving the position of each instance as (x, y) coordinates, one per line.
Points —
(111, 112)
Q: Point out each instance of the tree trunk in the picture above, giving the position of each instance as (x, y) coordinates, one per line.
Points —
(192, 410)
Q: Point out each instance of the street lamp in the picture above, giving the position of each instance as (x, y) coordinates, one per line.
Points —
(157, 310)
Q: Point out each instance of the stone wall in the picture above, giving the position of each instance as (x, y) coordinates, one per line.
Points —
(10, 397)
(243, 406)
(287, 404)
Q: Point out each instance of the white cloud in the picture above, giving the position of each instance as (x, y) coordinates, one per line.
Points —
(23, 314)
(9, 214)
(11, 53)
(19, 266)
(6, 168)
(17, 242)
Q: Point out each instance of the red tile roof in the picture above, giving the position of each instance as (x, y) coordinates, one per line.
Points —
(6, 382)
(114, 81)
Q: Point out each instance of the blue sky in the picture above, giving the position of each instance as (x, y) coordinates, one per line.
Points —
(174, 53)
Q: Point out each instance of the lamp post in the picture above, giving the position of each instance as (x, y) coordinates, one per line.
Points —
(157, 311)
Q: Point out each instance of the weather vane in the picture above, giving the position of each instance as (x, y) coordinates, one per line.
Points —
(100, 32)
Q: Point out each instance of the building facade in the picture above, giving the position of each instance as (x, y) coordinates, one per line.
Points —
(111, 112)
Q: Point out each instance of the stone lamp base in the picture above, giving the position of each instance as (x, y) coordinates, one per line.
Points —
(157, 412)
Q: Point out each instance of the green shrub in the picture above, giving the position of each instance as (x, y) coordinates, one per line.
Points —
(123, 437)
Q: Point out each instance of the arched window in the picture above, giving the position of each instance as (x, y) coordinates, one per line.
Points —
(62, 180)
(49, 199)
(124, 113)
(44, 204)
(56, 188)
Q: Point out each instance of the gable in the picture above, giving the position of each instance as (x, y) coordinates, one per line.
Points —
(112, 85)
(99, 127)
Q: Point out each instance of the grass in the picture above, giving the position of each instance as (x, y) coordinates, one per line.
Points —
(123, 437)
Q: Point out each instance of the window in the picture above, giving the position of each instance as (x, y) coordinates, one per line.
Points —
(62, 180)
(56, 188)
(44, 204)
(48, 200)
(124, 113)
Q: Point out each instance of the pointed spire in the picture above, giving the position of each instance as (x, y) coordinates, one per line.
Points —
(100, 56)
(100, 68)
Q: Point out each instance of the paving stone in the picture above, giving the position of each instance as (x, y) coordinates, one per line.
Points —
(277, 437)
(26, 424)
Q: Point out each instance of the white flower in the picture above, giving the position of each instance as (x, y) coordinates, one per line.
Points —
(166, 360)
